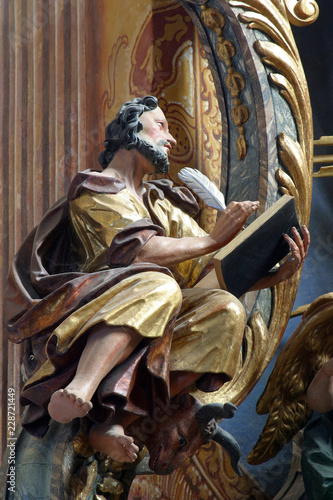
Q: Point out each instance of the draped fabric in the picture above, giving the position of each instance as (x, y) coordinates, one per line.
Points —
(76, 271)
(59, 91)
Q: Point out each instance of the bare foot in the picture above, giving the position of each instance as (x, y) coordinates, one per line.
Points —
(112, 441)
(65, 405)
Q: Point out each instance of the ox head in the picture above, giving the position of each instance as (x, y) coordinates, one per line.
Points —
(174, 434)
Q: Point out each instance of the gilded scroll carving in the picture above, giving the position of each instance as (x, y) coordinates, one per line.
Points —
(285, 72)
(281, 55)
(280, 58)
(235, 81)
(302, 12)
(207, 475)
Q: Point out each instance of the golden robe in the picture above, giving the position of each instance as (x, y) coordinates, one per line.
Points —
(83, 274)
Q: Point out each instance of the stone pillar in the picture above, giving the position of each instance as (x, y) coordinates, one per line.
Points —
(43, 126)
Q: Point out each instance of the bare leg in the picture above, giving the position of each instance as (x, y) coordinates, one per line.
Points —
(320, 391)
(106, 348)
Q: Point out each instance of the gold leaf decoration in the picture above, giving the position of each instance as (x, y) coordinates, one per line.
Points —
(284, 68)
(302, 12)
(281, 54)
(110, 485)
(235, 81)
(241, 146)
(83, 479)
(249, 372)
(239, 114)
(213, 19)
(293, 157)
(226, 51)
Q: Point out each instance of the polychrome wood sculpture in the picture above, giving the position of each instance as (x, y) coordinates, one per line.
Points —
(114, 326)
(257, 149)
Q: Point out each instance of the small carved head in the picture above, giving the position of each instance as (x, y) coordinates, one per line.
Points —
(175, 434)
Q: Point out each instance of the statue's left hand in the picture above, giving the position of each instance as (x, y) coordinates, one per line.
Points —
(299, 249)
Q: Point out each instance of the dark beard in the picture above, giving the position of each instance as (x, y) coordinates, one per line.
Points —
(155, 155)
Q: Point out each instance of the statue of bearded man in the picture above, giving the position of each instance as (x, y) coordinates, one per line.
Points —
(111, 308)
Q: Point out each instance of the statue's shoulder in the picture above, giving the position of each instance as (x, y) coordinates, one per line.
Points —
(91, 180)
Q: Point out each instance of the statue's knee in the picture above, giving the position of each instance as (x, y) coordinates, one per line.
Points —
(167, 288)
(231, 306)
(173, 291)
(237, 311)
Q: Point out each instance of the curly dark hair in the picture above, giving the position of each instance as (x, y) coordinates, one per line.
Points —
(122, 132)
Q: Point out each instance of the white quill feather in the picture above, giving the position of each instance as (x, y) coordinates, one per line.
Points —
(203, 187)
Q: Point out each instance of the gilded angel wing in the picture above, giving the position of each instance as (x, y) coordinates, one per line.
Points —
(284, 397)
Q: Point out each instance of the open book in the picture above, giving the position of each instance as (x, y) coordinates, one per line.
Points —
(258, 248)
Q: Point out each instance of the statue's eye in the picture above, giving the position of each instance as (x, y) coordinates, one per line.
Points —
(181, 441)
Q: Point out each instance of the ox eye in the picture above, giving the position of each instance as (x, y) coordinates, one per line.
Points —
(181, 441)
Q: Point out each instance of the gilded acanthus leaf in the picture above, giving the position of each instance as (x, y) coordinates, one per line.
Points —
(279, 53)
(295, 161)
(270, 17)
(286, 184)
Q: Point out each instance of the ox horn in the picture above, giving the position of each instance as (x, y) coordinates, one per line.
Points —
(216, 411)
(230, 444)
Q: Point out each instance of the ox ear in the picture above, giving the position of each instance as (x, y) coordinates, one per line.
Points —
(230, 444)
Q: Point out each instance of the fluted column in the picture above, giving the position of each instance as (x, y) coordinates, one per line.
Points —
(43, 127)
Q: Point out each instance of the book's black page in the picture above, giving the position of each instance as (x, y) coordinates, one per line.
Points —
(243, 266)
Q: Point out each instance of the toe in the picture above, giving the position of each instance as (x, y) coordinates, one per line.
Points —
(135, 448)
(87, 405)
(131, 457)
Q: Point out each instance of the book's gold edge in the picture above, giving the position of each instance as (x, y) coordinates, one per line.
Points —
(249, 230)
(218, 270)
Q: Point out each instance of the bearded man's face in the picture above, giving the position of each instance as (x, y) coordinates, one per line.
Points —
(156, 141)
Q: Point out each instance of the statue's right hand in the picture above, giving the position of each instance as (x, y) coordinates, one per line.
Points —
(232, 220)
